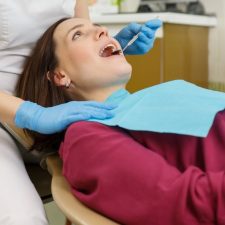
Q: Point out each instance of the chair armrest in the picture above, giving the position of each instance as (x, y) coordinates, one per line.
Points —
(71, 207)
(19, 135)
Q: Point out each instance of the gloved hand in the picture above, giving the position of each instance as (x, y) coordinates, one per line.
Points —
(57, 118)
(145, 39)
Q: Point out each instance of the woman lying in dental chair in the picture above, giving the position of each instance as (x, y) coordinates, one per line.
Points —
(134, 175)
(21, 24)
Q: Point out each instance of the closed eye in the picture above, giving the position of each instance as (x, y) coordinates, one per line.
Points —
(76, 35)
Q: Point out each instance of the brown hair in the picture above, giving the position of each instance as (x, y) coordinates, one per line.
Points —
(34, 86)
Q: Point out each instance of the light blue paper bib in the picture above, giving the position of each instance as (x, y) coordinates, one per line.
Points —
(172, 107)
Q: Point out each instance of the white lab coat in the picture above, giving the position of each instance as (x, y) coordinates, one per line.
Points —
(21, 24)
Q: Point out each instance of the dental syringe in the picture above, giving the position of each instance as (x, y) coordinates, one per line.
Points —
(134, 38)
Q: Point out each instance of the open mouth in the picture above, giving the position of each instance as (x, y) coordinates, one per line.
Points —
(110, 50)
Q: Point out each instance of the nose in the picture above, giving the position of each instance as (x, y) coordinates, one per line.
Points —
(101, 32)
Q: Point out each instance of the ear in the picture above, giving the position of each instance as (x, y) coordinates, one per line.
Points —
(59, 78)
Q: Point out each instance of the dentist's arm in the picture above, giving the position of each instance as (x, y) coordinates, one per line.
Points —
(81, 9)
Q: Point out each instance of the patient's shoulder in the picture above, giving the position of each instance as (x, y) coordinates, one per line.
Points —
(87, 127)
(90, 128)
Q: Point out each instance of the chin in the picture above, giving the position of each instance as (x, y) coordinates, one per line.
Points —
(124, 68)
(127, 69)
(125, 74)
(121, 73)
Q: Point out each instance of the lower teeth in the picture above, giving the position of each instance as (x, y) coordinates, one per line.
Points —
(116, 52)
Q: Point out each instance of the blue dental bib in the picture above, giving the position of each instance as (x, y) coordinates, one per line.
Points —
(172, 107)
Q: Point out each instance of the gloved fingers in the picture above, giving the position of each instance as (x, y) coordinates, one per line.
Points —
(99, 105)
(101, 115)
(76, 118)
(145, 40)
(154, 24)
(85, 116)
(98, 113)
(148, 32)
(90, 112)
(83, 108)
(127, 33)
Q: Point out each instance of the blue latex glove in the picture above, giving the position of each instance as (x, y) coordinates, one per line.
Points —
(145, 39)
(55, 119)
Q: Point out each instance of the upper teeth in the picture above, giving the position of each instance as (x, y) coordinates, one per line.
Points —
(109, 45)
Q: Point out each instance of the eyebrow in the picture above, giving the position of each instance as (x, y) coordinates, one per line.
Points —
(74, 27)
(81, 25)
(96, 24)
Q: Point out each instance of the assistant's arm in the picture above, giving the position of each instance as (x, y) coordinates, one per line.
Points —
(25, 114)
(117, 176)
(8, 107)
(81, 9)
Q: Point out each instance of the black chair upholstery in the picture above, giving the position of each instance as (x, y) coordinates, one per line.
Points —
(41, 180)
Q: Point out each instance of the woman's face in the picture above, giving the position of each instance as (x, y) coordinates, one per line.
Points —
(84, 51)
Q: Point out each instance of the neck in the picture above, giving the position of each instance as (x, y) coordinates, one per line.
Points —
(99, 95)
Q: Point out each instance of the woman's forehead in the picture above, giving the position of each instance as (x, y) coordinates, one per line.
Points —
(66, 25)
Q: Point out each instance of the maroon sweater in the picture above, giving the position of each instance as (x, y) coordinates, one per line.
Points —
(146, 178)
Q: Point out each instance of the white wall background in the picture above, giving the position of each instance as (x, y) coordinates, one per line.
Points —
(216, 41)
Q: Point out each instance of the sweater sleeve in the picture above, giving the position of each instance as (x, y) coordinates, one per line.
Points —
(115, 175)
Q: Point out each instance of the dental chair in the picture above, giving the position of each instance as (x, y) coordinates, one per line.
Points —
(75, 212)
(71, 207)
